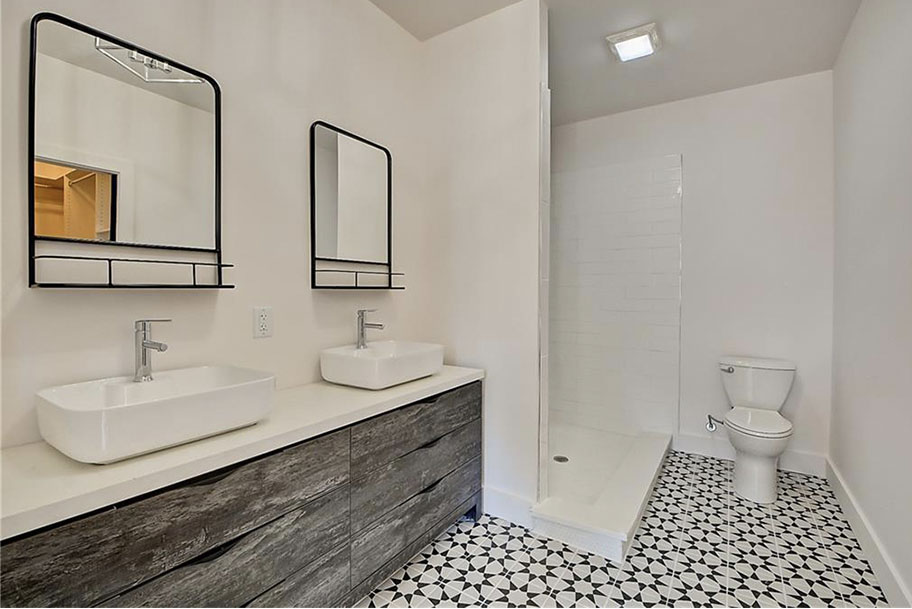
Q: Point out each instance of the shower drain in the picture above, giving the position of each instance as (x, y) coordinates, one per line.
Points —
(561, 458)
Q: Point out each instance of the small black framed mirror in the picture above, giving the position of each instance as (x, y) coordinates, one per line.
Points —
(351, 209)
(125, 148)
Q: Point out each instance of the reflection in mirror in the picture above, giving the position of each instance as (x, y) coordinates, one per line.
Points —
(125, 144)
(351, 197)
(74, 202)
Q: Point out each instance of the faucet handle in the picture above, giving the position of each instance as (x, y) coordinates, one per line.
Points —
(363, 311)
(141, 324)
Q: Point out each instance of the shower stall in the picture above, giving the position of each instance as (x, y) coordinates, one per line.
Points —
(611, 335)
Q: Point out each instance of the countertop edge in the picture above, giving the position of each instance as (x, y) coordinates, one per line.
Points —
(248, 446)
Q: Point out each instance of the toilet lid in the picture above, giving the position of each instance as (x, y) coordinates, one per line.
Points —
(755, 422)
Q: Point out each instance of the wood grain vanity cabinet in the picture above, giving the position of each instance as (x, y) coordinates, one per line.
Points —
(319, 523)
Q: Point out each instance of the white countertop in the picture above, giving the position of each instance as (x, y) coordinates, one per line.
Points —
(41, 486)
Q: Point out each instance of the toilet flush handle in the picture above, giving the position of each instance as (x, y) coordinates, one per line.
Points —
(728, 369)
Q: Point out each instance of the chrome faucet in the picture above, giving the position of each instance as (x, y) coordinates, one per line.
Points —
(142, 342)
(363, 325)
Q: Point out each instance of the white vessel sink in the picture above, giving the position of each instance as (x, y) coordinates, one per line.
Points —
(381, 364)
(111, 419)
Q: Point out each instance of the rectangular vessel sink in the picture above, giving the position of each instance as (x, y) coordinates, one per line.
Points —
(112, 419)
(381, 364)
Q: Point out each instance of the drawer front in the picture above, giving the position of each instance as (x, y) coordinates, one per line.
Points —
(369, 584)
(96, 557)
(376, 578)
(385, 488)
(394, 531)
(323, 583)
(232, 575)
(387, 437)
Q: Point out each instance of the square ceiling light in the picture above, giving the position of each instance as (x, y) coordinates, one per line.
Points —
(632, 44)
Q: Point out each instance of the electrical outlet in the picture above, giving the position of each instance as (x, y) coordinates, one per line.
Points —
(262, 322)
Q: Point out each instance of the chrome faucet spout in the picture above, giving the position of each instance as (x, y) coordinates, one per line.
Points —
(142, 344)
(157, 346)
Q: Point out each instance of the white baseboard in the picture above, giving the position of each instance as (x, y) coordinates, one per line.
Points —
(891, 582)
(718, 446)
(508, 506)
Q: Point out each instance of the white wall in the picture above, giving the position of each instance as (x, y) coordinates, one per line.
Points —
(82, 116)
(485, 229)
(2, 37)
(460, 114)
(757, 239)
(616, 295)
(872, 351)
(343, 61)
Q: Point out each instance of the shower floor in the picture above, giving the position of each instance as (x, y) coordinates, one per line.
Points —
(596, 497)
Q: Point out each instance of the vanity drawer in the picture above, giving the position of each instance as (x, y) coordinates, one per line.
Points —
(378, 492)
(233, 574)
(386, 437)
(369, 584)
(362, 589)
(92, 558)
(403, 524)
(322, 583)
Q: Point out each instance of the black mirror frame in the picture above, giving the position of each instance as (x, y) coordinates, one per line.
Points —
(313, 217)
(216, 250)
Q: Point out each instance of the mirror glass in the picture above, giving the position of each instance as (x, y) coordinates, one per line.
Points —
(351, 197)
(125, 144)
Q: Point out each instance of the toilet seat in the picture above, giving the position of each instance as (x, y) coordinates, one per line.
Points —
(758, 423)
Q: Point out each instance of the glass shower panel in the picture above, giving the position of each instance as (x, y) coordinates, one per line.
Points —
(614, 336)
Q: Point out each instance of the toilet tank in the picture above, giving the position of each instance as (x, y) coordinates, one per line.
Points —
(753, 382)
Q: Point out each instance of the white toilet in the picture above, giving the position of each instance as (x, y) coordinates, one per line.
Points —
(756, 389)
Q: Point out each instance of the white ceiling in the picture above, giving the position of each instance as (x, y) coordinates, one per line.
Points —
(707, 46)
(427, 18)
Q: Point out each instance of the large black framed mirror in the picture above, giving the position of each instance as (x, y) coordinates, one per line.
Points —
(125, 149)
(351, 210)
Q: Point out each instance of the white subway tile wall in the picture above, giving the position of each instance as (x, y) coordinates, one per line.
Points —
(615, 295)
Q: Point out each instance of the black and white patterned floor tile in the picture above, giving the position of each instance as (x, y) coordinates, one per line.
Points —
(698, 545)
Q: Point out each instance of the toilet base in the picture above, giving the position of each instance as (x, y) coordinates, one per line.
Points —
(755, 477)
